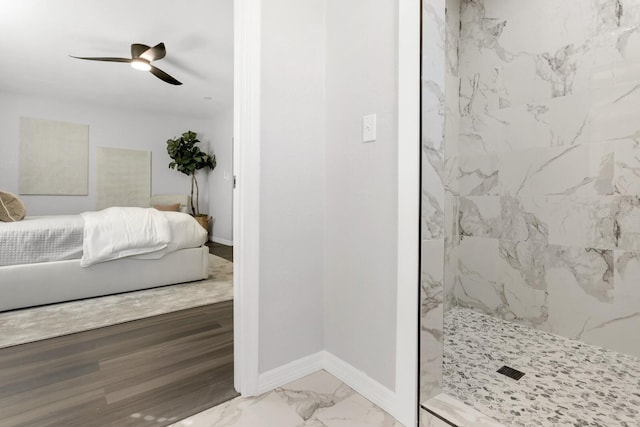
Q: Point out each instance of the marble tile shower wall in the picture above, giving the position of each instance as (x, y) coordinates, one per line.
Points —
(432, 197)
(546, 201)
(440, 123)
(452, 151)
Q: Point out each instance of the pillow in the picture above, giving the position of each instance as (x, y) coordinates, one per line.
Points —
(172, 208)
(11, 208)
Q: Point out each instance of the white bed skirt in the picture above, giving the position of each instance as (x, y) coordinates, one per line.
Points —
(29, 285)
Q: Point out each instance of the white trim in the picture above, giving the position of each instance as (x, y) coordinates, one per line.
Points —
(363, 384)
(246, 200)
(221, 241)
(357, 380)
(408, 278)
(291, 371)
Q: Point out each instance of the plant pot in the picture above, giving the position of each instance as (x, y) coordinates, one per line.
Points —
(203, 220)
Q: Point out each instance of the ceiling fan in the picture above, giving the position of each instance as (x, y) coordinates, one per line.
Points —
(141, 58)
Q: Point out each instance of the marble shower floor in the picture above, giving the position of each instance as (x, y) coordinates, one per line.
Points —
(317, 400)
(566, 382)
(34, 324)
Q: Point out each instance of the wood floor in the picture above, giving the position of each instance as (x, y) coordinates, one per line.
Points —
(223, 251)
(149, 372)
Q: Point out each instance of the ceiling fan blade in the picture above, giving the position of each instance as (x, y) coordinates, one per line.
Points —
(106, 59)
(163, 76)
(154, 53)
(138, 49)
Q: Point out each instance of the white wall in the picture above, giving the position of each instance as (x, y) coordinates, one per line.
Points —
(108, 127)
(291, 181)
(360, 282)
(328, 244)
(221, 178)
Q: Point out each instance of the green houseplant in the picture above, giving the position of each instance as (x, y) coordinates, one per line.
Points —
(188, 158)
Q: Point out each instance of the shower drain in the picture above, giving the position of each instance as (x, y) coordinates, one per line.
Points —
(511, 373)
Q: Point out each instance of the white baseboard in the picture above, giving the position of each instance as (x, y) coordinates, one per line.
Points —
(221, 240)
(292, 371)
(363, 384)
(354, 378)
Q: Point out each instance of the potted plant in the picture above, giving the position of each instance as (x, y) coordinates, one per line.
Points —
(188, 158)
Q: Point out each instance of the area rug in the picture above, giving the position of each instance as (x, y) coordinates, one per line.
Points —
(220, 269)
(33, 324)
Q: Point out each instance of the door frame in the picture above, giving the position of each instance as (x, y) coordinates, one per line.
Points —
(409, 151)
(246, 200)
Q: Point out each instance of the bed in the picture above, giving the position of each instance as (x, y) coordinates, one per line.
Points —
(41, 259)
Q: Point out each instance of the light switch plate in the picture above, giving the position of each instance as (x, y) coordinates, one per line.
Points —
(369, 128)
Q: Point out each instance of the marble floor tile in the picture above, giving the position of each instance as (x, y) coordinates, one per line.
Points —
(33, 324)
(317, 400)
(428, 420)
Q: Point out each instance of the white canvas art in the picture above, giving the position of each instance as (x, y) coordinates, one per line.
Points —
(54, 157)
(123, 177)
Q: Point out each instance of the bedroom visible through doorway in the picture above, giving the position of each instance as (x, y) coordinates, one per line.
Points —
(127, 112)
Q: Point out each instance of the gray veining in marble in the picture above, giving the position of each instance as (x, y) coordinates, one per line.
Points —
(540, 211)
(33, 324)
(547, 142)
(431, 315)
(317, 400)
(436, 175)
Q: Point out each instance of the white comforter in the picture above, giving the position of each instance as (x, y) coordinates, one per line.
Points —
(60, 237)
(41, 239)
(115, 233)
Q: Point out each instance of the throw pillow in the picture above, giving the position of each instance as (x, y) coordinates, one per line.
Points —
(11, 208)
(172, 208)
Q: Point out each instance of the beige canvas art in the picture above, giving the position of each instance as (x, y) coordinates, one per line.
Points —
(123, 177)
(54, 157)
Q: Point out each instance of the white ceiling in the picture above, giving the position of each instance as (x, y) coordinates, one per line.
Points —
(37, 37)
